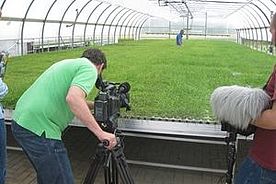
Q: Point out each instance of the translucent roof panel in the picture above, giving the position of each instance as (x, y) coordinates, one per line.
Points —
(69, 21)
(252, 13)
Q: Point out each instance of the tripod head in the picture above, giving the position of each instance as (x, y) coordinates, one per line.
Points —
(113, 162)
(119, 140)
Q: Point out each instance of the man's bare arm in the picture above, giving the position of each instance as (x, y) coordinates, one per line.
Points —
(267, 120)
(76, 100)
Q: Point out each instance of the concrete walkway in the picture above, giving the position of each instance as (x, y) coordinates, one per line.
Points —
(81, 145)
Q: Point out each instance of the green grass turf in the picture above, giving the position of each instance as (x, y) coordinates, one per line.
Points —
(166, 80)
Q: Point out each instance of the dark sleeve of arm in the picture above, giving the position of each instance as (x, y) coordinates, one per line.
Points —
(3, 89)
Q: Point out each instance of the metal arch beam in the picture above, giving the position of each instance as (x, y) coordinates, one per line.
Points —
(124, 22)
(236, 10)
(139, 35)
(132, 26)
(130, 19)
(273, 2)
(95, 27)
(253, 22)
(88, 18)
(61, 21)
(259, 25)
(250, 27)
(74, 24)
(246, 28)
(43, 26)
(250, 20)
(119, 21)
(242, 30)
(262, 10)
(140, 24)
(2, 5)
(189, 12)
(106, 21)
(264, 15)
(23, 24)
(112, 23)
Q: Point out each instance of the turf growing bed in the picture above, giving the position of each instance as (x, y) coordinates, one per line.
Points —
(166, 81)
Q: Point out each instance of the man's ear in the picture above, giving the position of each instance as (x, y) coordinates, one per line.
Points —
(100, 67)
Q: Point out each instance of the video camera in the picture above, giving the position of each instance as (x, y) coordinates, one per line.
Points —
(111, 97)
(3, 63)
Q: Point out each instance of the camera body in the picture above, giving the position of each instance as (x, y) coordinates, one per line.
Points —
(108, 102)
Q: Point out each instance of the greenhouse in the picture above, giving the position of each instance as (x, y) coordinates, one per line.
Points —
(144, 92)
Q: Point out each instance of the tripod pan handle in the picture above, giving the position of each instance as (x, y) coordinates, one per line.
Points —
(105, 142)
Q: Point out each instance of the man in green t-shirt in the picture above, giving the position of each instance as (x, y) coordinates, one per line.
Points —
(47, 107)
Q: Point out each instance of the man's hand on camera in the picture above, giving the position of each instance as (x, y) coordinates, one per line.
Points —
(109, 138)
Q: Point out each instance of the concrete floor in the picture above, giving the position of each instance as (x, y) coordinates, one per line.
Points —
(81, 146)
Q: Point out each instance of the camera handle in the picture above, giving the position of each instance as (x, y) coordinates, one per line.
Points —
(231, 141)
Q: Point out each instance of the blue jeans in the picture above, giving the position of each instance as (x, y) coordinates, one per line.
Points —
(251, 173)
(3, 151)
(48, 156)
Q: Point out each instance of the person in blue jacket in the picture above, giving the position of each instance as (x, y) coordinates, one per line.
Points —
(179, 38)
(3, 152)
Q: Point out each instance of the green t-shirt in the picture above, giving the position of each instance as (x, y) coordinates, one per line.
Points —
(43, 107)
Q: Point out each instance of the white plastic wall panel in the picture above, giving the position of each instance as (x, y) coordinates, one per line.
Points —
(15, 8)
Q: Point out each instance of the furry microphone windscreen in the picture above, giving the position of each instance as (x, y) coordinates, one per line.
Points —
(239, 105)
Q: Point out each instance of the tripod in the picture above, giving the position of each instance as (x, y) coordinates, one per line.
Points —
(231, 141)
(113, 162)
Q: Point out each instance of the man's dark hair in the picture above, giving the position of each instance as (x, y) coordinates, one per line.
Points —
(96, 56)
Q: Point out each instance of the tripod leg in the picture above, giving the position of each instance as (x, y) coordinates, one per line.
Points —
(231, 156)
(107, 172)
(122, 166)
(114, 170)
(97, 162)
